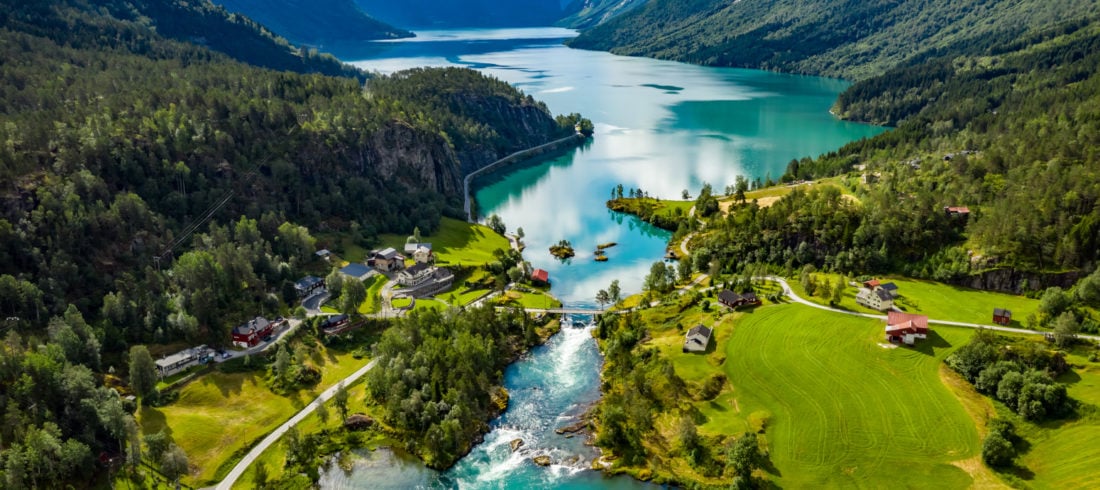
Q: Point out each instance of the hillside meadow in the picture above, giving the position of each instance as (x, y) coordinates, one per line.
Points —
(833, 406)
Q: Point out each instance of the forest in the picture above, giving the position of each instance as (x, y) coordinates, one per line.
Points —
(838, 38)
(439, 377)
(155, 189)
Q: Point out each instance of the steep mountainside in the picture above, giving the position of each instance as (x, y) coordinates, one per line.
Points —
(125, 24)
(122, 120)
(847, 38)
(583, 14)
(463, 13)
(315, 21)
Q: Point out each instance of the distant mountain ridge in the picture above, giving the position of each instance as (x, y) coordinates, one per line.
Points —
(583, 14)
(852, 39)
(466, 13)
(315, 21)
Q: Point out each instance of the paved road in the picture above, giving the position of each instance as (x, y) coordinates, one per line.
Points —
(274, 436)
(794, 297)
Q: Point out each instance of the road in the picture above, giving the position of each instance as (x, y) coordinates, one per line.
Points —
(794, 297)
(238, 470)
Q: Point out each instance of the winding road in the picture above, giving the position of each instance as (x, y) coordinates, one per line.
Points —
(258, 449)
(797, 299)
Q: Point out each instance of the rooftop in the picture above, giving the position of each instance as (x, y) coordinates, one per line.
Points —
(906, 320)
(388, 253)
(307, 282)
(355, 270)
(416, 269)
(413, 247)
(699, 330)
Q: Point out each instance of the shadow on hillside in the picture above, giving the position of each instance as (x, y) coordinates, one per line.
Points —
(928, 346)
(229, 385)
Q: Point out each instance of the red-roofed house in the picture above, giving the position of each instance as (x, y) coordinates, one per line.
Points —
(906, 327)
(956, 210)
(540, 276)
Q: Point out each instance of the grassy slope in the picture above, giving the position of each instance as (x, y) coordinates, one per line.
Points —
(536, 299)
(846, 411)
(840, 410)
(937, 300)
(373, 303)
(220, 414)
(457, 243)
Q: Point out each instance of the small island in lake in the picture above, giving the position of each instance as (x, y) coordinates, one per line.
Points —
(562, 250)
(603, 246)
(600, 255)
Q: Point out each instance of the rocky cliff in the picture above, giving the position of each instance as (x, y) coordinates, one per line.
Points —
(415, 158)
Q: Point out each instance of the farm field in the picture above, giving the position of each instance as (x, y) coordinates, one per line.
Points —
(937, 300)
(219, 415)
(839, 409)
(457, 243)
(947, 302)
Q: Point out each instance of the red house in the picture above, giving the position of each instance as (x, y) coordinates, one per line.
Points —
(906, 327)
(540, 276)
(1002, 316)
(252, 332)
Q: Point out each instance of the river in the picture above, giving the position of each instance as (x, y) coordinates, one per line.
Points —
(663, 127)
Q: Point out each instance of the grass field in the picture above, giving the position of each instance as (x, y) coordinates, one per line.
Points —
(219, 415)
(946, 302)
(429, 304)
(457, 243)
(839, 409)
(845, 411)
(1066, 458)
(373, 303)
(534, 299)
(403, 302)
(275, 456)
(937, 300)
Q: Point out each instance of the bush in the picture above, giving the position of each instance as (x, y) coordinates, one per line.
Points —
(997, 451)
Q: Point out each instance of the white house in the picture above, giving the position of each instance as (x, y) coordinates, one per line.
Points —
(415, 275)
(697, 339)
(875, 299)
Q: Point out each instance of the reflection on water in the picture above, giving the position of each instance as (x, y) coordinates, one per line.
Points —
(661, 127)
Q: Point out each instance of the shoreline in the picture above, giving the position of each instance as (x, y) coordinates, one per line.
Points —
(575, 139)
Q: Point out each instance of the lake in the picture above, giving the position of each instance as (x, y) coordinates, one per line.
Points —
(660, 126)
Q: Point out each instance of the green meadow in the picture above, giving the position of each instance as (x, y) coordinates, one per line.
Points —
(937, 300)
(457, 243)
(837, 408)
(220, 415)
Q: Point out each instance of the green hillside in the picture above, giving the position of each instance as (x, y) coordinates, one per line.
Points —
(828, 403)
(845, 38)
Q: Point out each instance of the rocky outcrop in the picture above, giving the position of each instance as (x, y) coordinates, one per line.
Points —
(541, 460)
(358, 421)
(1018, 282)
(418, 159)
(516, 444)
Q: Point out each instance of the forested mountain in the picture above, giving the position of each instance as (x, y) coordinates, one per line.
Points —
(852, 39)
(117, 135)
(440, 14)
(1009, 132)
(126, 24)
(582, 14)
(315, 21)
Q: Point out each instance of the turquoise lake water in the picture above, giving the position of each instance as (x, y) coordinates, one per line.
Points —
(660, 126)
